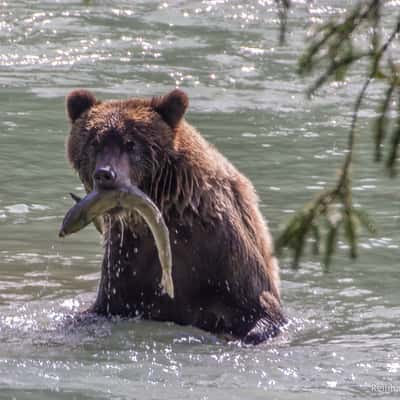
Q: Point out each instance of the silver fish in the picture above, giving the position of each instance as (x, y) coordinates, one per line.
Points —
(96, 203)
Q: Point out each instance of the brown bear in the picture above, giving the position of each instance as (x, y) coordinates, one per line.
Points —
(224, 271)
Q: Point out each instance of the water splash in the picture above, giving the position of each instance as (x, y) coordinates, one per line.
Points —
(108, 219)
(121, 221)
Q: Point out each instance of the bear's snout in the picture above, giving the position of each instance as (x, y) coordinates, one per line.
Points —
(105, 178)
(112, 168)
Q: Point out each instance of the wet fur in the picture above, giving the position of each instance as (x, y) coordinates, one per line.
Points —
(225, 274)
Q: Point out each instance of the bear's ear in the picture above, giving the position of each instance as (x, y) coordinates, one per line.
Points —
(77, 102)
(171, 107)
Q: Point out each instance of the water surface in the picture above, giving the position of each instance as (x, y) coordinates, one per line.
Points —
(246, 99)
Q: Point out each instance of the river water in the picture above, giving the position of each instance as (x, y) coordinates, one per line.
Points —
(343, 338)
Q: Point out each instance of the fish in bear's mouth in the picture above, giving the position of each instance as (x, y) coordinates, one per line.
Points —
(118, 202)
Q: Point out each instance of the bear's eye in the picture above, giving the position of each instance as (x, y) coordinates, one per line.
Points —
(130, 146)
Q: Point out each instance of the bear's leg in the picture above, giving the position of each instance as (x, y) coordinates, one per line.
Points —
(214, 317)
(221, 319)
(269, 324)
(237, 323)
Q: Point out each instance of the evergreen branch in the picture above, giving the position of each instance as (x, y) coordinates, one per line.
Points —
(334, 206)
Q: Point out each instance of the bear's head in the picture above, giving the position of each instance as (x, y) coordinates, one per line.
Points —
(122, 143)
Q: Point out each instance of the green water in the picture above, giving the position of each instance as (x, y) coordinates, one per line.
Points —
(246, 98)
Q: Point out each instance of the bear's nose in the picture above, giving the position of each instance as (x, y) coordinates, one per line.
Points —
(105, 178)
